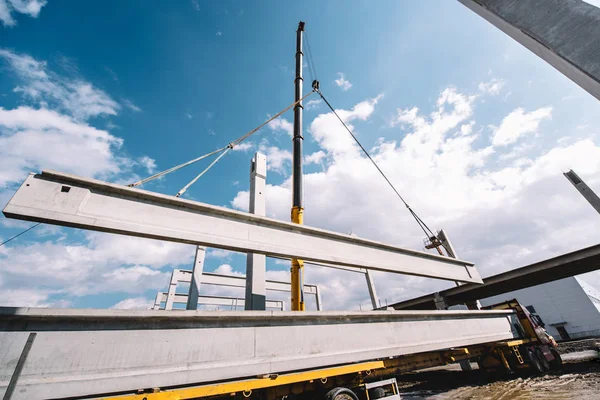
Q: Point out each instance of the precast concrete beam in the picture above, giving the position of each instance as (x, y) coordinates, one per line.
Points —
(564, 33)
(68, 200)
(79, 352)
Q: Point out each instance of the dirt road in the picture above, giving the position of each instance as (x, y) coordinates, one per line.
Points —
(578, 380)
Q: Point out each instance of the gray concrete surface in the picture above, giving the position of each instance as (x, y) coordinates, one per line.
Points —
(68, 200)
(81, 352)
(564, 33)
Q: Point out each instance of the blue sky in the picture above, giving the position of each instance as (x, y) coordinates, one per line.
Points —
(471, 127)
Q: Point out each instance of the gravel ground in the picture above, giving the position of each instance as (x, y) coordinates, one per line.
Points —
(579, 378)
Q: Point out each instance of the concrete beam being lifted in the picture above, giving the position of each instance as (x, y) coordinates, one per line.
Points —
(564, 33)
(68, 200)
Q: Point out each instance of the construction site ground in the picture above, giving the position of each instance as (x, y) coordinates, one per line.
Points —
(578, 379)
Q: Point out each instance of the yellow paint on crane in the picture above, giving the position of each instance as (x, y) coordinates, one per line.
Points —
(247, 386)
(297, 270)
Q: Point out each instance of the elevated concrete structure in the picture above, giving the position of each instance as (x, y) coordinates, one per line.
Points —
(210, 278)
(564, 33)
(74, 353)
(223, 301)
(570, 264)
(69, 200)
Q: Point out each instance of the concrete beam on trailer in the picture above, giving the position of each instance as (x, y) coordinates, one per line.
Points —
(553, 269)
(564, 33)
(90, 352)
(225, 301)
(69, 200)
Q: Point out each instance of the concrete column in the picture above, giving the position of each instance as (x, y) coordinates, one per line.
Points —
(584, 189)
(318, 298)
(465, 365)
(172, 290)
(256, 264)
(192, 302)
(157, 301)
(372, 292)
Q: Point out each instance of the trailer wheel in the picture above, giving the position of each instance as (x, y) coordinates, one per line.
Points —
(542, 359)
(340, 393)
(536, 364)
(557, 362)
(378, 393)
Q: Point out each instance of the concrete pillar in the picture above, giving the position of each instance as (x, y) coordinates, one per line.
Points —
(564, 33)
(157, 301)
(318, 298)
(256, 264)
(372, 292)
(172, 290)
(465, 365)
(584, 189)
(194, 292)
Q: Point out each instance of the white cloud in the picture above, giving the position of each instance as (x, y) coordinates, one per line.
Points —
(55, 132)
(103, 263)
(218, 253)
(333, 137)
(277, 159)
(24, 298)
(282, 124)
(492, 87)
(342, 82)
(219, 33)
(313, 104)
(518, 123)
(494, 212)
(27, 7)
(134, 303)
(33, 139)
(148, 163)
(79, 98)
(315, 158)
(129, 104)
(247, 146)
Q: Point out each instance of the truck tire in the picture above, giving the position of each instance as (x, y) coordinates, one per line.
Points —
(536, 364)
(557, 363)
(340, 393)
(542, 359)
(377, 393)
